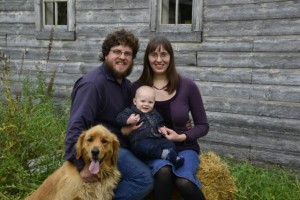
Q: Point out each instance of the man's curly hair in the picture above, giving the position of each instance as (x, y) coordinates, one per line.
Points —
(120, 37)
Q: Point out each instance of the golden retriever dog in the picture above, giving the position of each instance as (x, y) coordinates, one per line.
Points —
(98, 148)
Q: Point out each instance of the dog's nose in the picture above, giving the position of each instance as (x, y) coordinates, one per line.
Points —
(95, 151)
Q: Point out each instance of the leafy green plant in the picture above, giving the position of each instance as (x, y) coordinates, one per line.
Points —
(31, 134)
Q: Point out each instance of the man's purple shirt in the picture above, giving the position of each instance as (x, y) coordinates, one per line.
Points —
(97, 98)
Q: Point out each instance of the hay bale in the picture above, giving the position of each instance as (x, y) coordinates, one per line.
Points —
(217, 182)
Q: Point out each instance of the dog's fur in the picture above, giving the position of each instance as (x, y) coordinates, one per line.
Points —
(66, 183)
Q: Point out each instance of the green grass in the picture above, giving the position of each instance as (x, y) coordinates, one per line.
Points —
(32, 129)
(264, 183)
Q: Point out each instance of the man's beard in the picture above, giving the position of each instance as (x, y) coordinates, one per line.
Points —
(118, 74)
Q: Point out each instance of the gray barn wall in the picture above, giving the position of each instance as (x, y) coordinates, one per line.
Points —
(247, 66)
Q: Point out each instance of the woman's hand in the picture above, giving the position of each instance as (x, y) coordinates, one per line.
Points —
(163, 130)
(173, 136)
(126, 130)
(133, 119)
(189, 124)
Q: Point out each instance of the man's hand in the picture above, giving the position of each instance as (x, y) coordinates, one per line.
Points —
(87, 176)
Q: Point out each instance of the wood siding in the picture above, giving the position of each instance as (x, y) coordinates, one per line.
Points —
(247, 65)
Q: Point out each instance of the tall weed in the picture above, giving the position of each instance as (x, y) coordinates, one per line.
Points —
(31, 134)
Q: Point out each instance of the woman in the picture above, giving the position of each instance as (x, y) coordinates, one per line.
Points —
(176, 97)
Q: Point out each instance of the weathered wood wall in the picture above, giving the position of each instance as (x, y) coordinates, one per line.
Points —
(247, 66)
(249, 73)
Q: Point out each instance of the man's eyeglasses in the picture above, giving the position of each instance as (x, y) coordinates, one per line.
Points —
(118, 52)
(163, 55)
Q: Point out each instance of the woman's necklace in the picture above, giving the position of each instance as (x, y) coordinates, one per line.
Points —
(159, 88)
(159, 82)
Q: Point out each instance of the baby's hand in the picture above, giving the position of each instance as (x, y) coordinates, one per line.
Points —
(133, 119)
(163, 130)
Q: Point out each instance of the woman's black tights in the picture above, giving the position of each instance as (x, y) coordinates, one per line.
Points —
(163, 181)
(163, 184)
(188, 190)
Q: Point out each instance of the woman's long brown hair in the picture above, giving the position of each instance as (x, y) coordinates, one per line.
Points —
(147, 75)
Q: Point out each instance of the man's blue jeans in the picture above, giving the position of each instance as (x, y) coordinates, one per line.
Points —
(136, 181)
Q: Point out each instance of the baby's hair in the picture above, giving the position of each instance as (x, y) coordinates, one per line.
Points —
(143, 88)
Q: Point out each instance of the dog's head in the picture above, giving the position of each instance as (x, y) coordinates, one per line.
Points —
(98, 147)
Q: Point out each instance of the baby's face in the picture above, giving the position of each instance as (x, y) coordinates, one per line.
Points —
(144, 103)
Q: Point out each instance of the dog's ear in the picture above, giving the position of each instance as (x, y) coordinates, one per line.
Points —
(116, 145)
(79, 144)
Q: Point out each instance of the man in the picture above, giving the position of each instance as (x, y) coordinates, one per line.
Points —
(97, 98)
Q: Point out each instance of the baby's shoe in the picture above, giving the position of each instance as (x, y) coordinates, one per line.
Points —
(179, 161)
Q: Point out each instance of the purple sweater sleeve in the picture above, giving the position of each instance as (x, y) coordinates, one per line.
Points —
(83, 110)
(187, 101)
(198, 113)
(123, 116)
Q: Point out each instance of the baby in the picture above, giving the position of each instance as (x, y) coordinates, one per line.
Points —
(147, 141)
